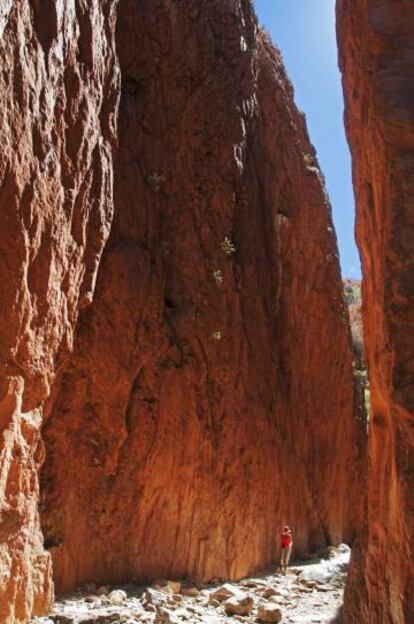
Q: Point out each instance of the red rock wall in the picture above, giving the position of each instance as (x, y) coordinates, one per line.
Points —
(171, 452)
(58, 93)
(376, 56)
(201, 394)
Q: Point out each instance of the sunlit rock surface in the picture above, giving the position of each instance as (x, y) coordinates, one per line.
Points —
(209, 396)
(173, 317)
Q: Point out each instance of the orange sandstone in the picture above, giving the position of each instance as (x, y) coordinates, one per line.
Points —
(376, 57)
(58, 96)
(193, 376)
(209, 396)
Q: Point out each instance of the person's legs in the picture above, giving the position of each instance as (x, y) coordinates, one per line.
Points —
(283, 558)
(288, 552)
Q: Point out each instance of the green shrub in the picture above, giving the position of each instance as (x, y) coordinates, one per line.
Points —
(154, 180)
(228, 246)
(218, 277)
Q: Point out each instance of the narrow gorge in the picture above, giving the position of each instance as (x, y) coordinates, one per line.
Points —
(176, 366)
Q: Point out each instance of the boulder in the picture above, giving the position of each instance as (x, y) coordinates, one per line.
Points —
(308, 582)
(174, 586)
(214, 603)
(313, 574)
(152, 597)
(176, 598)
(163, 616)
(253, 583)
(224, 592)
(269, 613)
(332, 552)
(189, 590)
(239, 605)
(117, 597)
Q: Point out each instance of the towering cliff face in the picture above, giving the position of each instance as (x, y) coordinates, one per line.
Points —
(58, 91)
(376, 53)
(208, 396)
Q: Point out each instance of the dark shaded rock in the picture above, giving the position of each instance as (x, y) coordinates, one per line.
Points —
(376, 43)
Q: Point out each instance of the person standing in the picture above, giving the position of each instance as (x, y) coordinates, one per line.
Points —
(286, 542)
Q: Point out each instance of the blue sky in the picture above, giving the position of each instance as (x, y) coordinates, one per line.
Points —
(304, 30)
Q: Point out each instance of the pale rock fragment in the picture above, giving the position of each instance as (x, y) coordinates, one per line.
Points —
(117, 597)
(239, 605)
(224, 592)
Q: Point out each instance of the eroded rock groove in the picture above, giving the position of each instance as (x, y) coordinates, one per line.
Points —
(172, 304)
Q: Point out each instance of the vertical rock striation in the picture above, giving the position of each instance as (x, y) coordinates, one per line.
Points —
(209, 396)
(376, 40)
(58, 96)
(192, 382)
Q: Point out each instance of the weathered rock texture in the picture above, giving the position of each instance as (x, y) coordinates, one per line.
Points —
(353, 298)
(208, 397)
(377, 60)
(58, 91)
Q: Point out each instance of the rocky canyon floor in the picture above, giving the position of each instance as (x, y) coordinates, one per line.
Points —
(310, 592)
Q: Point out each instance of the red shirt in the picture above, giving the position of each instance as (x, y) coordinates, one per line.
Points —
(286, 539)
